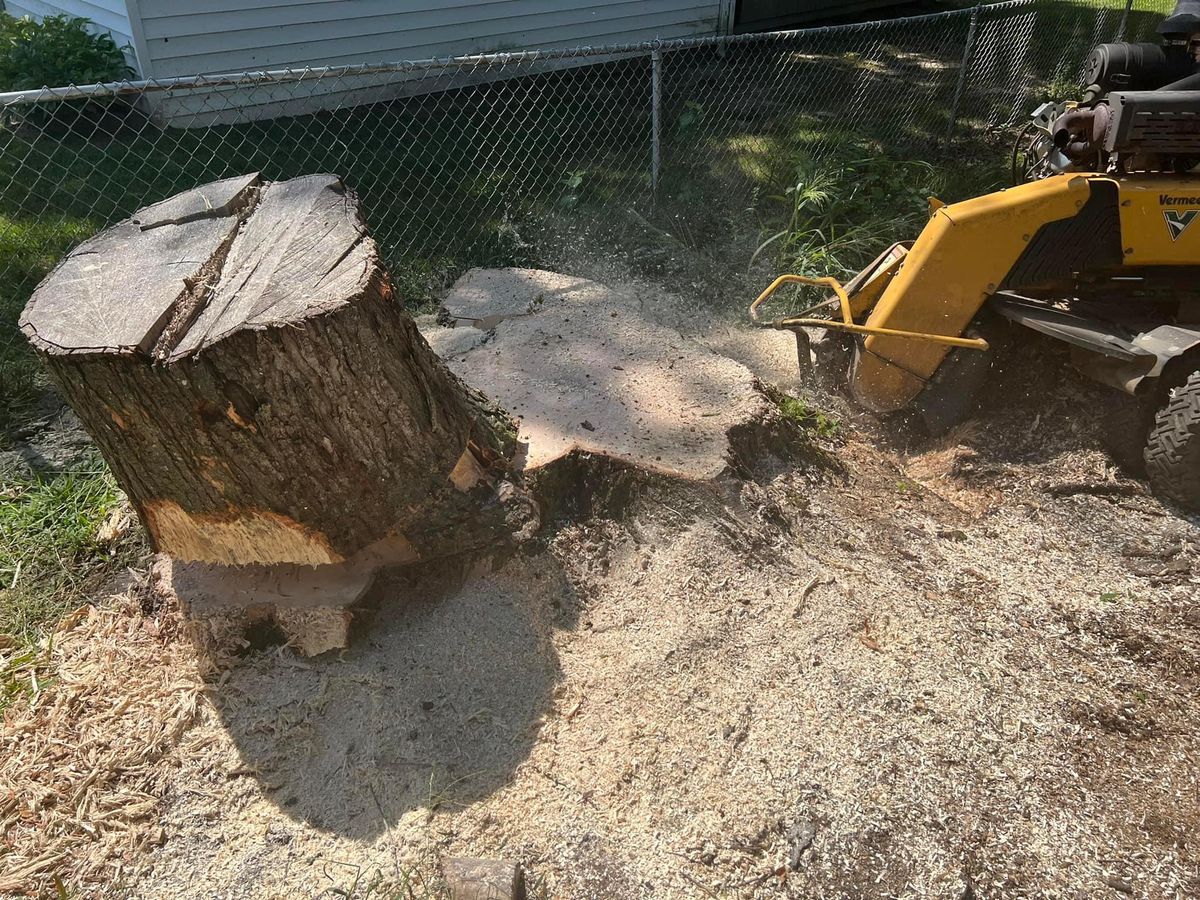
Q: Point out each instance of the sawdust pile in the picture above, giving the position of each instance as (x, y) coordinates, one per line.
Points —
(963, 670)
(84, 762)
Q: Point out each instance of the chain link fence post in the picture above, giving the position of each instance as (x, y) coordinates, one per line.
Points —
(655, 122)
(968, 54)
(1120, 35)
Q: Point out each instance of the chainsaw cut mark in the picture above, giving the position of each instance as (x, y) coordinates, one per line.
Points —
(236, 538)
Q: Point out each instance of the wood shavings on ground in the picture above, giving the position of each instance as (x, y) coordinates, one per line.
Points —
(84, 760)
(915, 673)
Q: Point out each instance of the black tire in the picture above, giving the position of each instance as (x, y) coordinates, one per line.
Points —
(1173, 447)
(1126, 425)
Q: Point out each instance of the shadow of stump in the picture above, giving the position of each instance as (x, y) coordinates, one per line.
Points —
(436, 704)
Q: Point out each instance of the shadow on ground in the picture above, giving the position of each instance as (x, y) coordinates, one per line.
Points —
(435, 705)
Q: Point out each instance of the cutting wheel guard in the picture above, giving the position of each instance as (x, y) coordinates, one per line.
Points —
(846, 323)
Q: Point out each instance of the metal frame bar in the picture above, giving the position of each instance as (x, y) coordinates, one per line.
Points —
(847, 322)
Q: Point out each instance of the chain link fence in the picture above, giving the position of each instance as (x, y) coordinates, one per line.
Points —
(530, 158)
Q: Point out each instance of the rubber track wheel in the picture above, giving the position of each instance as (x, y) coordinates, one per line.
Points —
(1126, 427)
(1173, 448)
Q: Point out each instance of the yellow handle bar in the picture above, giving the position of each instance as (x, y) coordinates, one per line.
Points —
(847, 322)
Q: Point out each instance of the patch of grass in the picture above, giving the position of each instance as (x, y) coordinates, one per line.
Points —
(807, 417)
(838, 214)
(842, 209)
(352, 882)
(29, 248)
(53, 554)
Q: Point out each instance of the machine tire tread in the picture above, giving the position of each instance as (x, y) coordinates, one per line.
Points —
(1173, 447)
(1126, 429)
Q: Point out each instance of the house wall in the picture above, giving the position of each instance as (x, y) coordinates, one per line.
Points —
(756, 15)
(188, 37)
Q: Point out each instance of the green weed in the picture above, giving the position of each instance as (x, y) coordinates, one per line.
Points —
(842, 209)
(837, 215)
(808, 417)
(52, 552)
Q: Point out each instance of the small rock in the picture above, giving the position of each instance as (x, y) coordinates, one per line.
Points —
(587, 426)
(1118, 884)
(800, 836)
(484, 879)
(277, 834)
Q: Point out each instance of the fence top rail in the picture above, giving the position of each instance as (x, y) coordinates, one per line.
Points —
(479, 61)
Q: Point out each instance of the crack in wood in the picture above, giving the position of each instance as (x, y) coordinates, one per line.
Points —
(199, 290)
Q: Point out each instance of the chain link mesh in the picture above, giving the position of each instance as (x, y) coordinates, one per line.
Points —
(498, 159)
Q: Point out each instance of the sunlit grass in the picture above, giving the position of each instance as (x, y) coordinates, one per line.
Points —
(54, 551)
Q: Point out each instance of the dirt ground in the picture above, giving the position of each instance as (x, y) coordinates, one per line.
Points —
(879, 669)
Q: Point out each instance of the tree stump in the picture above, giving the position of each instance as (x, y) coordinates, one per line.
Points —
(237, 354)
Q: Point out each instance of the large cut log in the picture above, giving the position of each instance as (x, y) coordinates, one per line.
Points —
(238, 356)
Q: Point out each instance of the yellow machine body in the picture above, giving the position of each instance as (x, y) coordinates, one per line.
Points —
(915, 303)
(962, 256)
(1156, 220)
(967, 251)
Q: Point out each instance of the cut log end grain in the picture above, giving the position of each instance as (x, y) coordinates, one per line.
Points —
(238, 356)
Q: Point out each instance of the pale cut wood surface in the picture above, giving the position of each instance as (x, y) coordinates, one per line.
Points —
(118, 291)
(180, 275)
(300, 254)
(209, 201)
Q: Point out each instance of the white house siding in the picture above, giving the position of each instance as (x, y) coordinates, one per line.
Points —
(188, 37)
(108, 15)
(221, 36)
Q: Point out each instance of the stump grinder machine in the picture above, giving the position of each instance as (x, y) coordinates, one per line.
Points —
(1097, 247)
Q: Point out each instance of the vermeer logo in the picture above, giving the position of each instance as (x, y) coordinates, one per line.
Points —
(1168, 200)
(1177, 222)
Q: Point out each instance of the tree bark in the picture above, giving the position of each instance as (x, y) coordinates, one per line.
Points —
(238, 356)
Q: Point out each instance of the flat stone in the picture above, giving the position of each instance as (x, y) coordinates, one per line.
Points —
(484, 879)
